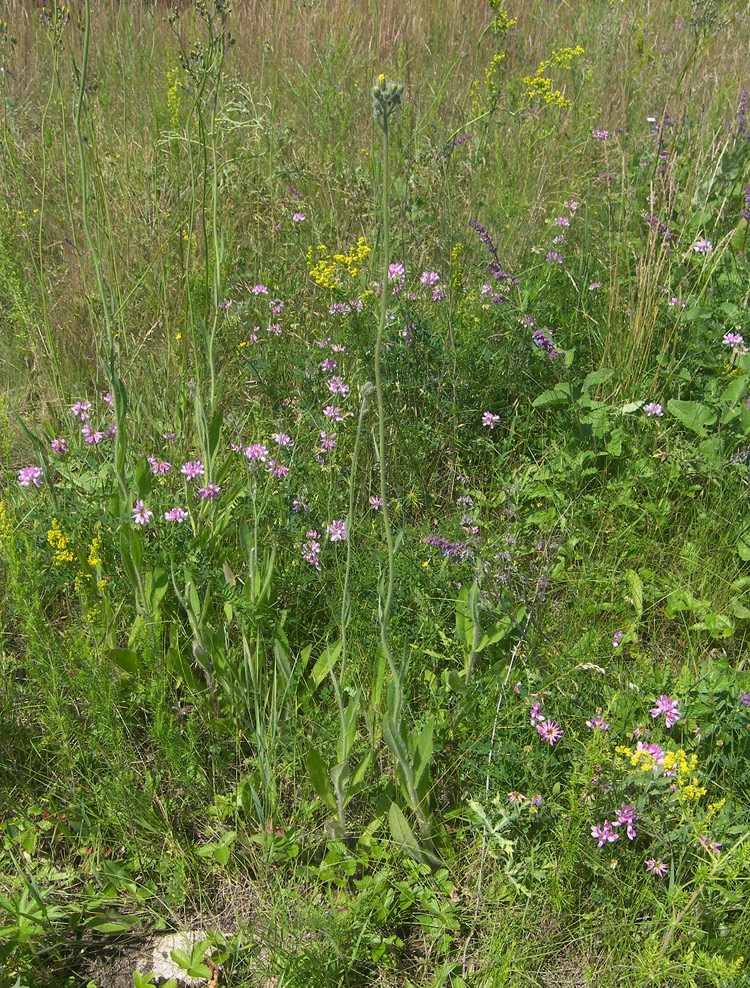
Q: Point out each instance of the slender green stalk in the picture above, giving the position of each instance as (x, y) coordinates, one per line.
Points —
(386, 97)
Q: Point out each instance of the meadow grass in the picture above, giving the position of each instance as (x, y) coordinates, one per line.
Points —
(373, 463)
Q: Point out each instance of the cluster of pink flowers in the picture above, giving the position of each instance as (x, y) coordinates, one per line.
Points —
(141, 514)
(192, 469)
(159, 466)
(549, 730)
(311, 549)
(667, 707)
(30, 475)
(337, 531)
(490, 420)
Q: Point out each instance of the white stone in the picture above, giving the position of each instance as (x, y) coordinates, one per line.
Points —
(161, 961)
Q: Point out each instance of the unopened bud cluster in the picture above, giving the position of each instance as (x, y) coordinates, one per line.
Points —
(386, 96)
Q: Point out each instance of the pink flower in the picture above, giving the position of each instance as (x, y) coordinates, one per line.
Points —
(656, 867)
(259, 290)
(299, 218)
(277, 469)
(209, 492)
(80, 410)
(141, 514)
(490, 420)
(91, 437)
(282, 439)
(256, 452)
(333, 412)
(655, 752)
(192, 469)
(708, 845)
(159, 466)
(30, 475)
(597, 724)
(733, 339)
(175, 514)
(616, 639)
(429, 278)
(627, 815)
(653, 409)
(604, 834)
(377, 502)
(337, 387)
(337, 531)
(549, 731)
(667, 707)
(59, 445)
(535, 715)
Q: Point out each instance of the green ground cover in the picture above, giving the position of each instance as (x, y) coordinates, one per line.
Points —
(374, 451)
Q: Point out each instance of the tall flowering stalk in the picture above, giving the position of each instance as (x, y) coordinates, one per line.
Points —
(386, 98)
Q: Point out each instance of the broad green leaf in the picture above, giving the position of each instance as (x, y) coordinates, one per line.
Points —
(221, 854)
(126, 659)
(180, 958)
(325, 662)
(694, 415)
(636, 591)
(597, 377)
(318, 772)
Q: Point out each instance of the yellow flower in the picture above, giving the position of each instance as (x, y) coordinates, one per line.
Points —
(60, 543)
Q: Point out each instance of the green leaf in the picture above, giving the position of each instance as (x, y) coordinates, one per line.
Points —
(734, 391)
(180, 958)
(550, 397)
(321, 783)
(693, 414)
(596, 377)
(743, 549)
(221, 854)
(501, 629)
(636, 591)
(325, 662)
(126, 659)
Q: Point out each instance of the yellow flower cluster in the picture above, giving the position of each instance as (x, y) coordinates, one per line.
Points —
(95, 559)
(680, 766)
(687, 783)
(501, 22)
(457, 266)
(327, 271)
(641, 760)
(173, 97)
(539, 85)
(60, 542)
(6, 530)
(490, 76)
